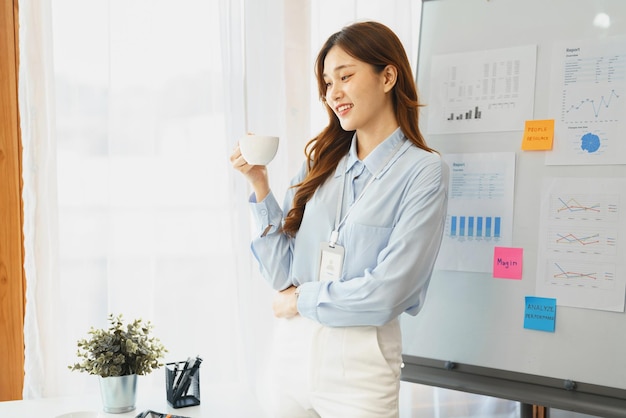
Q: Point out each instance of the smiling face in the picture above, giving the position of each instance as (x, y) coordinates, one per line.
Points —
(357, 93)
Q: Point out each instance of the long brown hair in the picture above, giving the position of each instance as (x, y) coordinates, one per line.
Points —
(377, 45)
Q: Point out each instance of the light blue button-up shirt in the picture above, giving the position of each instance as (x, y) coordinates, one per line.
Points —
(391, 236)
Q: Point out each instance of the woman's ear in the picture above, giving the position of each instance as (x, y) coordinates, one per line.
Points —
(390, 74)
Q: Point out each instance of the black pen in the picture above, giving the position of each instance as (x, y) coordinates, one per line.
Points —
(192, 373)
(182, 373)
(186, 378)
(174, 373)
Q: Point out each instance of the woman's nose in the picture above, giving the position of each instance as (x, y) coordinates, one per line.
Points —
(333, 93)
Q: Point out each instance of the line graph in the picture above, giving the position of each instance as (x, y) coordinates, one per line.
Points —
(597, 207)
(573, 239)
(584, 241)
(561, 273)
(576, 274)
(587, 102)
(572, 205)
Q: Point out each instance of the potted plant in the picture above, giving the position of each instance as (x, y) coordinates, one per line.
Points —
(118, 355)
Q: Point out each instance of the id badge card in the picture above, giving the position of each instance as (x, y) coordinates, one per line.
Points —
(331, 262)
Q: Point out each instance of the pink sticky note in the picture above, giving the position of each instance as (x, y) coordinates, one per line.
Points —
(507, 263)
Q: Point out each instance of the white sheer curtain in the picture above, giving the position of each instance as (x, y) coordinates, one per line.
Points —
(130, 110)
(37, 118)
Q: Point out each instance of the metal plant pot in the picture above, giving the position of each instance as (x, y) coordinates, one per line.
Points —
(119, 393)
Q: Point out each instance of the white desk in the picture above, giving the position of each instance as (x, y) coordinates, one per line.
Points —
(215, 403)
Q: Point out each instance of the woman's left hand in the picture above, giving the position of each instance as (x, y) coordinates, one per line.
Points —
(285, 303)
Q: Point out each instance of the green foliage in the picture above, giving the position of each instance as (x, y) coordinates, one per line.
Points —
(120, 350)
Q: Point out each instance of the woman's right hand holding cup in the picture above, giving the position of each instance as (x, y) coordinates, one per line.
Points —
(255, 174)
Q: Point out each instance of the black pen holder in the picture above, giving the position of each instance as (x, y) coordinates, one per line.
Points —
(182, 390)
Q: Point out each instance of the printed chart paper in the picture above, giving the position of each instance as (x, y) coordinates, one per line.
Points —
(480, 210)
(589, 102)
(581, 251)
(482, 91)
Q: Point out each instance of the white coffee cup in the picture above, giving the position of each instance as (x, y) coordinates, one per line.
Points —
(258, 149)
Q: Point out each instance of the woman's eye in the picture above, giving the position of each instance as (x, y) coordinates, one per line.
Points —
(328, 85)
(345, 77)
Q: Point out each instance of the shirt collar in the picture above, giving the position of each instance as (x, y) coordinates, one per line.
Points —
(376, 158)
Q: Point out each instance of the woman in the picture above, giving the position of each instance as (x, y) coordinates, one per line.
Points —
(357, 240)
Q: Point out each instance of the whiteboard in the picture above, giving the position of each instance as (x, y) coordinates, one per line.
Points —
(470, 317)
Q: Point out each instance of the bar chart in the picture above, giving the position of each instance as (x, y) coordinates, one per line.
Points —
(475, 113)
(479, 227)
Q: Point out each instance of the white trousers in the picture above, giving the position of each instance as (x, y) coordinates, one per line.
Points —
(347, 372)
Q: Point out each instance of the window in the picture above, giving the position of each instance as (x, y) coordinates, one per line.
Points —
(143, 191)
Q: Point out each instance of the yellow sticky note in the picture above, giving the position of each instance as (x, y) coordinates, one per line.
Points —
(538, 135)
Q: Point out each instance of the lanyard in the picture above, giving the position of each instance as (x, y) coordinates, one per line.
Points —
(334, 235)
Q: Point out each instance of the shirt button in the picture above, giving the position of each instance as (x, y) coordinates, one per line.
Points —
(263, 212)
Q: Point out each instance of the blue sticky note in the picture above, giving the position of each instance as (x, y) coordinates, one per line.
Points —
(540, 313)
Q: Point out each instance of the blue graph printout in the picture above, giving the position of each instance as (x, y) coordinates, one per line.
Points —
(475, 226)
(480, 210)
(588, 102)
